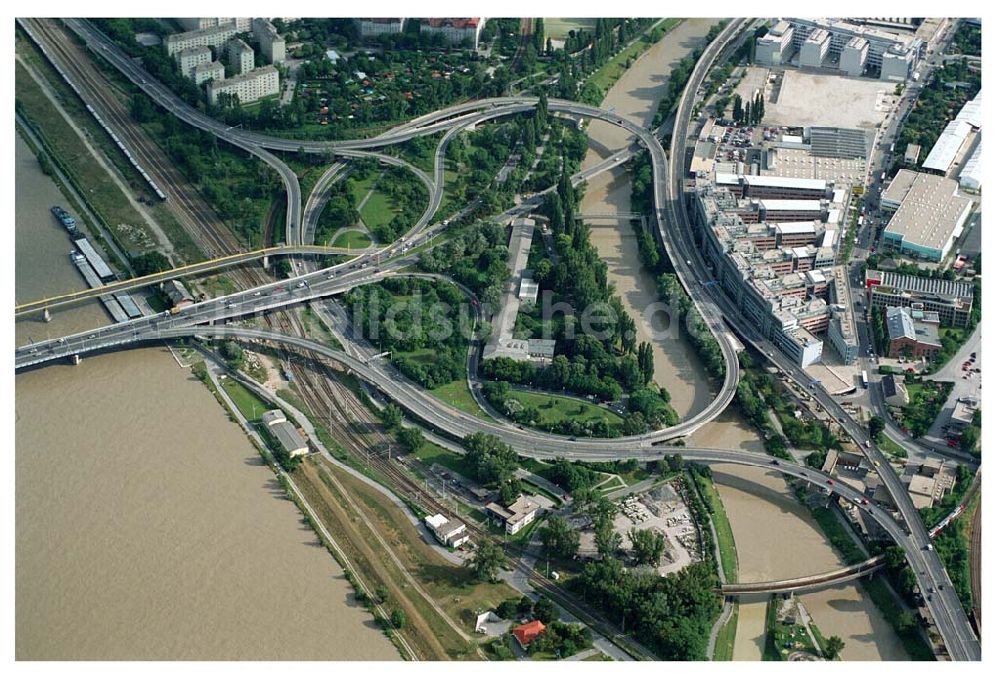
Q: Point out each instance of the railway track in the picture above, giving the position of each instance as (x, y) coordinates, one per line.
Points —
(195, 215)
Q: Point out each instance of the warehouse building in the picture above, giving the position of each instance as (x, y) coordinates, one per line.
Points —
(912, 332)
(285, 432)
(970, 178)
(952, 300)
(928, 215)
(249, 87)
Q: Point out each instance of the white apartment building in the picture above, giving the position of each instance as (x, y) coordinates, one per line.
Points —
(249, 87)
(379, 26)
(210, 71)
(205, 37)
(455, 31)
(272, 45)
(240, 56)
(190, 24)
(188, 59)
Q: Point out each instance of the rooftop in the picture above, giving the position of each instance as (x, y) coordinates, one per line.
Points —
(938, 287)
(930, 212)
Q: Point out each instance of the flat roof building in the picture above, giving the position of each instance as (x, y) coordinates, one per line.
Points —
(853, 56)
(774, 47)
(240, 56)
(379, 26)
(514, 516)
(912, 154)
(952, 300)
(210, 71)
(272, 45)
(929, 214)
(970, 177)
(815, 48)
(188, 59)
(205, 37)
(249, 87)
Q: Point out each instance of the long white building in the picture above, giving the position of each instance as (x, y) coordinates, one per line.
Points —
(192, 24)
(204, 37)
(380, 26)
(455, 31)
(249, 87)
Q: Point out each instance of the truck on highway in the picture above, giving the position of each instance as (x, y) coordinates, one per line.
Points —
(175, 310)
(864, 378)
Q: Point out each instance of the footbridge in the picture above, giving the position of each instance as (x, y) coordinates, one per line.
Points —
(808, 583)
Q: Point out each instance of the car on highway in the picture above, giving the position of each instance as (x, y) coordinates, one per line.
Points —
(301, 284)
(257, 293)
(829, 482)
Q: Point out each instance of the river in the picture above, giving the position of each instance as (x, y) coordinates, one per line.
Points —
(775, 536)
(146, 525)
(635, 95)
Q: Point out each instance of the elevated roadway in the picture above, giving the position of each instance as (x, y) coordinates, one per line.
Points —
(944, 605)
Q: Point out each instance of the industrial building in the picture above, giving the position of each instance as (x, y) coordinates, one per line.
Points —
(210, 71)
(240, 56)
(249, 87)
(928, 215)
(912, 332)
(285, 432)
(952, 300)
(970, 178)
(455, 31)
(954, 137)
(204, 37)
(379, 26)
(188, 59)
(272, 45)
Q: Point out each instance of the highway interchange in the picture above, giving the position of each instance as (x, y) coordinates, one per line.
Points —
(675, 233)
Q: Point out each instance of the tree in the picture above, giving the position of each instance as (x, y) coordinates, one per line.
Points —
(391, 416)
(559, 538)
(486, 561)
(397, 618)
(646, 361)
(544, 611)
(905, 622)
(381, 593)
(737, 109)
(648, 546)
(150, 262)
(605, 538)
(411, 438)
(875, 426)
(834, 644)
(675, 461)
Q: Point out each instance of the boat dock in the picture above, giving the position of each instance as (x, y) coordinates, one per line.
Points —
(110, 303)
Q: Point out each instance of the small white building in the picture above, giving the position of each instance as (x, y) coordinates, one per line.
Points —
(448, 531)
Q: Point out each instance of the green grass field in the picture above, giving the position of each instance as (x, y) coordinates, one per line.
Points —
(555, 408)
(726, 639)
(249, 404)
(377, 210)
(890, 446)
(727, 542)
(431, 453)
(456, 393)
(352, 239)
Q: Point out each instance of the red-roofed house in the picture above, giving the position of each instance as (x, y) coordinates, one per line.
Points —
(455, 30)
(525, 633)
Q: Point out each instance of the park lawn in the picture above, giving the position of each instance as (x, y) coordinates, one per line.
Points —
(789, 638)
(456, 393)
(605, 76)
(352, 239)
(555, 408)
(360, 186)
(250, 406)
(726, 639)
(723, 530)
(889, 446)
(377, 210)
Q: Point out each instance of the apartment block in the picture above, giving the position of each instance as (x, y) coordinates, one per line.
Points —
(249, 87)
(272, 45)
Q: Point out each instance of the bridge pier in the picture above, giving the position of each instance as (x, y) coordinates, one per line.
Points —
(266, 260)
(46, 314)
(74, 359)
